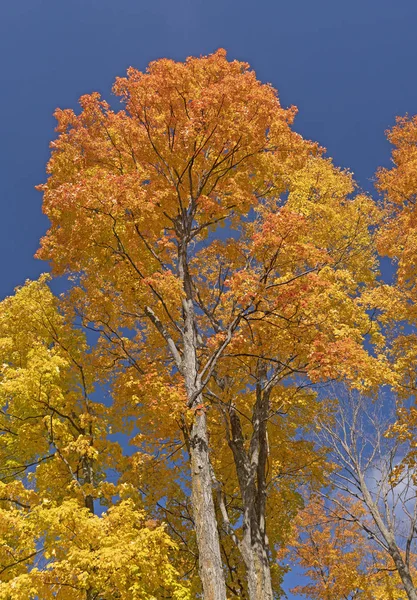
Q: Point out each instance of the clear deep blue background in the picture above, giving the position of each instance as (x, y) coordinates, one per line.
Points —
(349, 66)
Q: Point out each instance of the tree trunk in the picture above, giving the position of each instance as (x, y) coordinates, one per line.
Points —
(88, 478)
(403, 572)
(205, 522)
(89, 503)
(258, 571)
(262, 568)
(250, 469)
(389, 537)
(260, 543)
(210, 563)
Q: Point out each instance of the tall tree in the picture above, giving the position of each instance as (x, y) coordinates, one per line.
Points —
(137, 199)
(311, 269)
(200, 143)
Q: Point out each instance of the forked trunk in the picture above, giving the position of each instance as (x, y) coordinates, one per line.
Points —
(251, 472)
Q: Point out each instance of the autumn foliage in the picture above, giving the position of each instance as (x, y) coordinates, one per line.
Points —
(159, 421)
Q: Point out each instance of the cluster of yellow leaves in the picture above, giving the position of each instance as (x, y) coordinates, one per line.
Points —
(55, 455)
(119, 553)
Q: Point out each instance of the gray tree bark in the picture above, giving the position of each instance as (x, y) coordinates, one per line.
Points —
(250, 466)
(205, 521)
(210, 562)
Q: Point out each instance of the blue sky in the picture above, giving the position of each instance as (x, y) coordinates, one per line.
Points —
(349, 66)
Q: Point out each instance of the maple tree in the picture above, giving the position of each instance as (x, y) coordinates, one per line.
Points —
(264, 361)
(136, 199)
(55, 454)
(149, 182)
